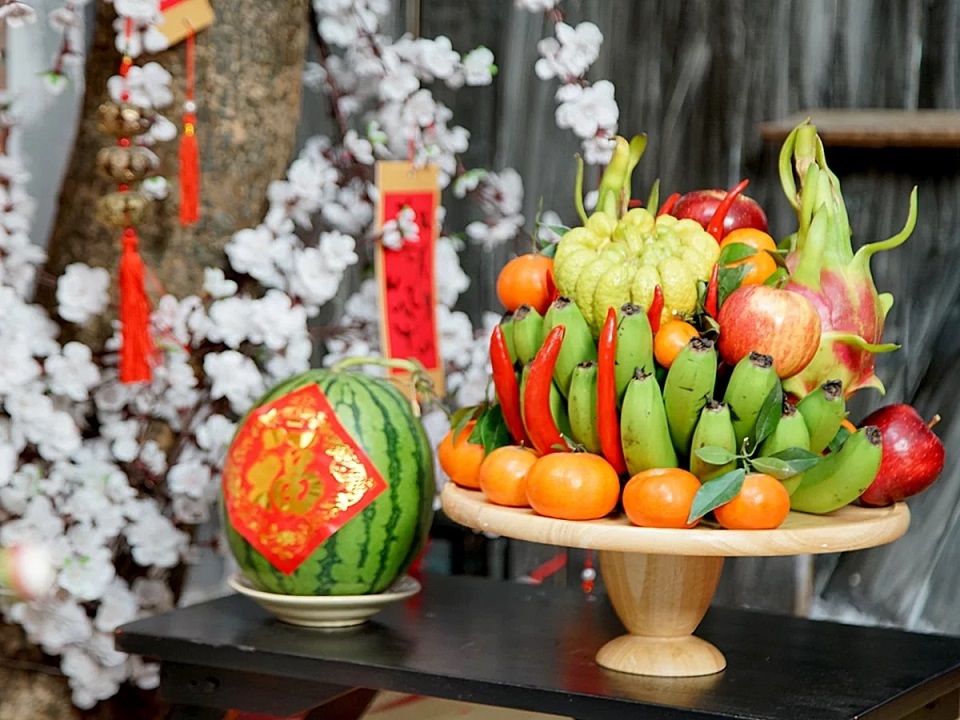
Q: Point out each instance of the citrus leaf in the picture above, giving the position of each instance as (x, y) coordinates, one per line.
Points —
(462, 417)
(715, 455)
(728, 280)
(776, 277)
(548, 250)
(839, 439)
(769, 416)
(779, 257)
(735, 251)
(716, 492)
(796, 453)
(490, 430)
(781, 469)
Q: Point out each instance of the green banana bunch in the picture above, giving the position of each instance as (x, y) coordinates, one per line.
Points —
(791, 432)
(528, 332)
(506, 325)
(578, 343)
(582, 406)
(750, 383)
(823, 410)
(558, 406)
(714, 429)
(842, 476)
(634, 346)
(688, 386)
(644, 433)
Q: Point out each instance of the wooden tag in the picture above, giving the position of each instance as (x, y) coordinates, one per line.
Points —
(180, 16)
(407, 277)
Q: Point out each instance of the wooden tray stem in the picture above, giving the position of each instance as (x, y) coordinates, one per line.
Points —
(661, 600)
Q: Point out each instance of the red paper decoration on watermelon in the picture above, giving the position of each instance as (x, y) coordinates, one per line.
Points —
(294, 476)
(408, 327)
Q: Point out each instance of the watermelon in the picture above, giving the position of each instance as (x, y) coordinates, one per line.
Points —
(379, 544)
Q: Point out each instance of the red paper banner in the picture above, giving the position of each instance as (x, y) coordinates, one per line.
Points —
(294, 476)
(409, 298)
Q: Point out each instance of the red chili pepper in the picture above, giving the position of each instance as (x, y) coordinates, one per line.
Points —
(656, 309)
(715, 226)
(634, 203)
(542, 429)
(507, 387)
(710, 305)
(608, 421)
(668, 204)
(552, 290)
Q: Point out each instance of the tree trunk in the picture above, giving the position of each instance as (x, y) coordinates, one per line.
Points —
(249, 67)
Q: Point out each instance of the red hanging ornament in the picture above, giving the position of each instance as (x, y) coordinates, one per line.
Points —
(189, 150)
(136, 343)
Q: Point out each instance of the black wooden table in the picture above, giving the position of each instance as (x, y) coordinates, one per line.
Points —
(527, 647)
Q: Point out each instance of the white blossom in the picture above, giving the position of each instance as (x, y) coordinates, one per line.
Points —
(217, 284)
(588, 110)
(72, 373)
(569, 55)
(401, 229)
(17, 14)
(156, 187)
(478, 66)
(87, 577)
(235, 377)
(154, 541)
(82, 292)
(536, 6)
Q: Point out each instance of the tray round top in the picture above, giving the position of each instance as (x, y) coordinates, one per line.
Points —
(850, 528)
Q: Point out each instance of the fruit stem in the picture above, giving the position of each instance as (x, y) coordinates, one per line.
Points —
(578, 191)
(936, 418)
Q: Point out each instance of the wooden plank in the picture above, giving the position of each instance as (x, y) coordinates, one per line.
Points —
(874, 128)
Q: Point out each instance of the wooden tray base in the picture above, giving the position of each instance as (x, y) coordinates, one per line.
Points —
(661, 600)
(661, 582)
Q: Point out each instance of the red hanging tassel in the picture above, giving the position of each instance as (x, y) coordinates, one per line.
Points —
(136, 344)
(189, 151)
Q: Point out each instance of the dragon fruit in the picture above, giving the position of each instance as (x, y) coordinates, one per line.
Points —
(824, 269)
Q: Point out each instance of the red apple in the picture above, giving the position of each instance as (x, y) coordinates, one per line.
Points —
(772, 321)
(700, 205)
(913, 455)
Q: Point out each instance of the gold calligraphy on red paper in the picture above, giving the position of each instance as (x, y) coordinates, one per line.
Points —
(407, 276)
(294, 476)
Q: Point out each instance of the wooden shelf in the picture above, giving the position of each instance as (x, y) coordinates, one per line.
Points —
(874, 128)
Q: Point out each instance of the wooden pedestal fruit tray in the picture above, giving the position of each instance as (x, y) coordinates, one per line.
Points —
(661, 581)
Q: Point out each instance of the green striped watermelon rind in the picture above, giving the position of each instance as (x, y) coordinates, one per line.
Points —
(379, 544)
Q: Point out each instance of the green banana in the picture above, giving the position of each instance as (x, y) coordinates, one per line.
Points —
(578, 343)
(527, 332)
(715, 429)
(750, 383)
(791, 432)
(688, 386)
(823, 410)
(634, 346)
(582, 406)
(842, 476)
(644, 433)
(506, 325)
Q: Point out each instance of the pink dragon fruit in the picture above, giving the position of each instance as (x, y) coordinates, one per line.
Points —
(824, 269)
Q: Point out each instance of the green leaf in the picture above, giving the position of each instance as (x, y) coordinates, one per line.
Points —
(653, 199)
(490, 430)
(769, 416)
(779, 257)
(715, 455)
(462, 417)
(796, 453)
(728, 280)
(716, 492)
(776, 277)
(735, 251)
(548, 250)
(783, 469)
(839, 439)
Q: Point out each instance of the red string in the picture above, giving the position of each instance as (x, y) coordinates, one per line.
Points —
(189, 154)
